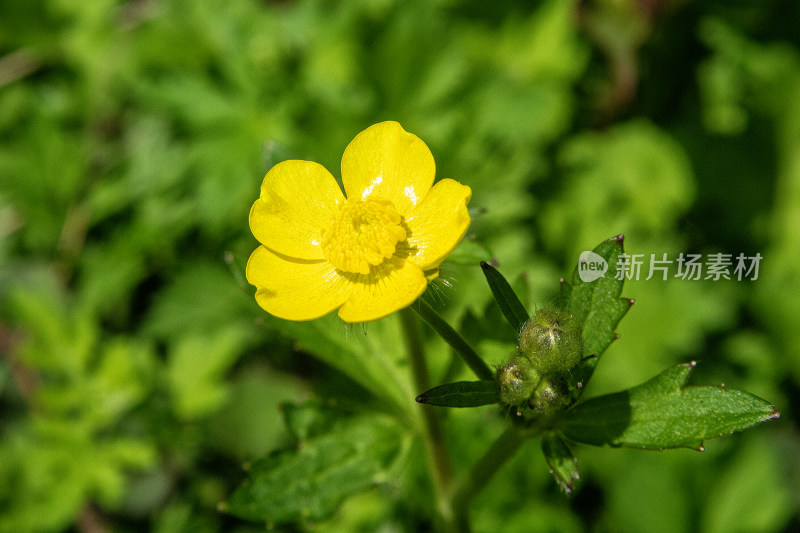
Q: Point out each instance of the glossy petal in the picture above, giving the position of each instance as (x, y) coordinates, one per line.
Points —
(387, 161)
(392, 286)
(295, 289)
(438, 223)
(298, 200)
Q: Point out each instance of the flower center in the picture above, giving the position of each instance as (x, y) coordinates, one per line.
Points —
(363, 233)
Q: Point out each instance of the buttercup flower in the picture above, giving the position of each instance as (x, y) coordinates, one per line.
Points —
(367, 254)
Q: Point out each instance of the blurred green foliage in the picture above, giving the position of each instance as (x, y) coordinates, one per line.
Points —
(137, 373)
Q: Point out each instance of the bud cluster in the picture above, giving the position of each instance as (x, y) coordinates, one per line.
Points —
(550, 346)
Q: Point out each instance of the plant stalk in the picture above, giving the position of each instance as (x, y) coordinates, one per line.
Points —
(438, 457)
(501, 450)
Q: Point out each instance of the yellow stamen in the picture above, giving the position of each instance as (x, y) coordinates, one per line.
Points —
(364, 233)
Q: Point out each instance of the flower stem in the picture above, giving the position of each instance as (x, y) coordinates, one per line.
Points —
(438, 457)
(501, 450)
(456, 341)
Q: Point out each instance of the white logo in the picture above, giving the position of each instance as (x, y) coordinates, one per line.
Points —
(591, 266)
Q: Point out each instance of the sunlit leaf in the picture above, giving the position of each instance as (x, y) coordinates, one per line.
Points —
(596, 303)
(663, 413)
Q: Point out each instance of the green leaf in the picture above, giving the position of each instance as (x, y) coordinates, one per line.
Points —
(311, 481)
(597, 305)
(198, 298)
(506, 298)
(461, 394)
(308, 420)
(451, 337)
(372, 354)
(196, 370)
(662, 413)
(563, 465)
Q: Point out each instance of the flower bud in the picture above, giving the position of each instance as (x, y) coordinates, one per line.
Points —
(552, 341)
(551, 394)
(517, 380)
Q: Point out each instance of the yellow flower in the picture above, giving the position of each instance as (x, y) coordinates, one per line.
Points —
(367, 254)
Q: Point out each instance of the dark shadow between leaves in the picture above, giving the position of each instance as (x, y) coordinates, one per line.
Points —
(599, 421)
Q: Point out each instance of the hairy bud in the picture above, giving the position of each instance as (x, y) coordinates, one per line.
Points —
(517, 380)
(551, 394)
(552, 341)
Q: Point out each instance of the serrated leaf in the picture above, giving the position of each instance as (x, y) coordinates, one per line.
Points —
(461, 394)
(597, 305)
(663, 413)
(310, 482)
(506, 298)
(563, 465)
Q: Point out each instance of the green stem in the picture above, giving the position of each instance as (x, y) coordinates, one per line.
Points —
(438, 458)
(501, 450)
(456, 341)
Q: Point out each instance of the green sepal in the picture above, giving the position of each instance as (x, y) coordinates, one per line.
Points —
(663, 413)
(309, 482)
(461, 394)
(597, 306)
(506, 298)
(563, 465)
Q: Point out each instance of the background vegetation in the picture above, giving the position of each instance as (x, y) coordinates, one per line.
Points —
(137, 373)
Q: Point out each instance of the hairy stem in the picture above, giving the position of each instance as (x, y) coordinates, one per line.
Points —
(438, 457)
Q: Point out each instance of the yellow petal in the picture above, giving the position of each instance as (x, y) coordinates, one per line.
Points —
(438, 223)
(298, 200)
(387, 161)
(295, 289)
(391, 286)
